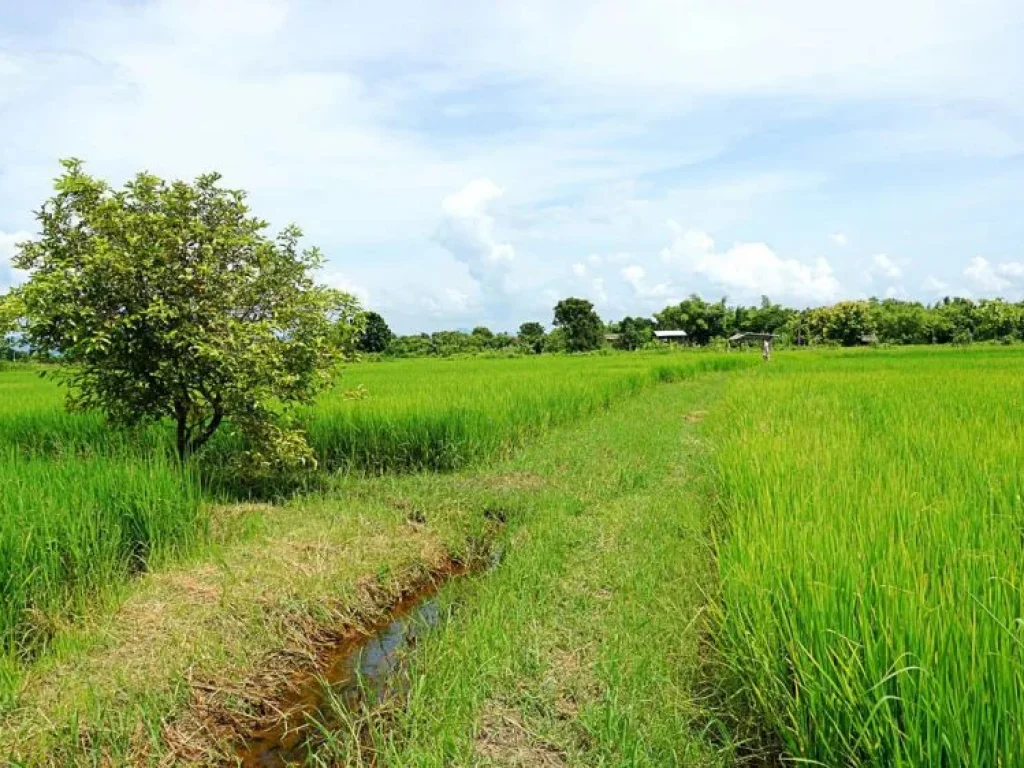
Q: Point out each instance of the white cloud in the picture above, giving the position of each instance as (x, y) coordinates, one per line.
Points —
(935, 287)
(839, 239)
(636, 276)
(9, 276)
(882, 264)
(579, 269)
(750, 270)
(343, 282)
(989, 278)
(467, 232)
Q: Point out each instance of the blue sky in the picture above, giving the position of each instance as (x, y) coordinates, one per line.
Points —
(465, 162)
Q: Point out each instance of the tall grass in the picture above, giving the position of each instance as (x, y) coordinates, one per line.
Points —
(871, 571)
(83, 506)
(68, 529)
(441, 414)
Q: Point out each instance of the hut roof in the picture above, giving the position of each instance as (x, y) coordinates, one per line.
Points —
(749, 336)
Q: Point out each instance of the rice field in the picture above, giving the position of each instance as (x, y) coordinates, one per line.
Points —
(864, 507)
(428, 414)
(870, 554)
(84, 508)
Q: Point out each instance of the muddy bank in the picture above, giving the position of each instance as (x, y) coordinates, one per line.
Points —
(363, 668)
(345, 664)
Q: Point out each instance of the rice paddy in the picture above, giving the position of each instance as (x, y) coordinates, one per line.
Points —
(824, 551)
(870, 558)
(84, 507)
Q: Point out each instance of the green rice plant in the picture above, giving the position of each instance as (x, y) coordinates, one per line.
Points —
(70, 529)
(82, 507)
(871, 559)
(441, 414)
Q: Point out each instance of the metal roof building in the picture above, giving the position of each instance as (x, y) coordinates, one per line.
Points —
(670, 337)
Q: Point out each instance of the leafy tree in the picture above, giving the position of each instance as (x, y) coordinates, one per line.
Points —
(767, 318)
(168, 300)
(10, 311)
(411, 346)
(501, 340)
(531, 336)
(376, 336)
(634, 332)
(901, 322)
(448, 343)
(846, 322)
(555, 341)
(701, 321)
(953, 320)
(483, 332)
(996, 319)
(581, 324)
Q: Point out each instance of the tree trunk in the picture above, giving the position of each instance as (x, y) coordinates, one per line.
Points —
(200, 440)
(181, 416)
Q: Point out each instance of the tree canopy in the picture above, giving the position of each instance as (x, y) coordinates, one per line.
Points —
(170, 300)
(531, 336)
(375, 336)
(634, 332)
(582, 326)
(10, 312)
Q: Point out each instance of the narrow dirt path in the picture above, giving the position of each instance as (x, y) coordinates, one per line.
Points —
(583, 648)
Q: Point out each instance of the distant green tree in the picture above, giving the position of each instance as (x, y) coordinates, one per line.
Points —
(582, 326)
(901, 322)
(953, 320)
(799, 328)
(483, 332)
(418, 345)
(10, 312)
(768, 317)
(531, 336)
(846, 323)
(376, 336)
(634, 332)
(168, 300)
(501, 340)
(996, 320)
(555, 341)
(701, 321)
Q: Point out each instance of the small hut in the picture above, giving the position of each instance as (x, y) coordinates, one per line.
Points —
(671, 337)
(742, 339)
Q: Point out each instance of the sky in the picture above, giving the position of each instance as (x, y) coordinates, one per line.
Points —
(465, 163)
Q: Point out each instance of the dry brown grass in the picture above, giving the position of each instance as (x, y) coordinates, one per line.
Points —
(503, 739)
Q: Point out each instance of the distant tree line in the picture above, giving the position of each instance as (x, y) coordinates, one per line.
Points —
(576, 327)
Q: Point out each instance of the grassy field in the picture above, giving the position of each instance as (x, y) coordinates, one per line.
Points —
(444, 414)
(83, 508)
(817, 559)
(870, 556)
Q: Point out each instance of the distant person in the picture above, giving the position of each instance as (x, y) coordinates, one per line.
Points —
(766, 350)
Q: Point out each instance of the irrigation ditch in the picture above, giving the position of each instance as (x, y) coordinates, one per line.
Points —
(358, 668)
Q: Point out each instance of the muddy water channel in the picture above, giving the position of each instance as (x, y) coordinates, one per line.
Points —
(359, 672)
